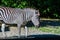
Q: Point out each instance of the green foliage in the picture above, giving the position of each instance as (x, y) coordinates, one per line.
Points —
(13, 3)
(48, 8)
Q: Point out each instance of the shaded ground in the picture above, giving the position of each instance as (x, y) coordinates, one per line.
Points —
(51, 23)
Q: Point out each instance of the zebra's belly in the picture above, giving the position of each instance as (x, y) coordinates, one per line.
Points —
(16, 21)
(10, 22)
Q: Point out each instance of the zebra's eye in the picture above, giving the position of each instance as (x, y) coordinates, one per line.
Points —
(36, 12)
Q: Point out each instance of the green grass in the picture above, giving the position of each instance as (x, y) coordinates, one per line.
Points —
(50, 29)
(55, 30)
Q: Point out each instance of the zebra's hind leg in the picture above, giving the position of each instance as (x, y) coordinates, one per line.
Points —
(3, 29)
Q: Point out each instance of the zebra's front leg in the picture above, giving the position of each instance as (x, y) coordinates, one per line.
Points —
(26, 31)
(3, 30)
(19, 30)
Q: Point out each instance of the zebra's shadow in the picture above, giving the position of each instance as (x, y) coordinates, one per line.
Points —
(49, 22)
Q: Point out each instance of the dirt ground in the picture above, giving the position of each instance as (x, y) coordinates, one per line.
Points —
(13, 31)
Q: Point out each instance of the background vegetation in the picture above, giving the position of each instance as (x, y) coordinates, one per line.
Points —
(48, 8)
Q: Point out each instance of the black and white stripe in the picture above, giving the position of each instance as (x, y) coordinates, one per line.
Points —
(4, 13)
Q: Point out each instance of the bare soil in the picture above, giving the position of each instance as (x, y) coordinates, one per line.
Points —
(13, 31)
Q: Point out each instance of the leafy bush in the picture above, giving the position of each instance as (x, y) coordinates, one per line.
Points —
(48, 8)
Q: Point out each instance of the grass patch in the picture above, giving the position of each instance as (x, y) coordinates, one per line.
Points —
(55, 30)
(50, 29)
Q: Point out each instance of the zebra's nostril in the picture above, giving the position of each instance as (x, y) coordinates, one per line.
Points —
(38, 14)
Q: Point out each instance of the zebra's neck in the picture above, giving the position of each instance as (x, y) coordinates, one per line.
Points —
(28, 16)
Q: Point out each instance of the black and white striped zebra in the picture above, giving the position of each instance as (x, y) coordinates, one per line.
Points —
(18, 16)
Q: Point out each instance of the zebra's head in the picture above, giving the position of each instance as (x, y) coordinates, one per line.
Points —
(35, 18)
(33, 15)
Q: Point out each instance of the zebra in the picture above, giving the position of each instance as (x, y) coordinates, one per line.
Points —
(18, 16)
